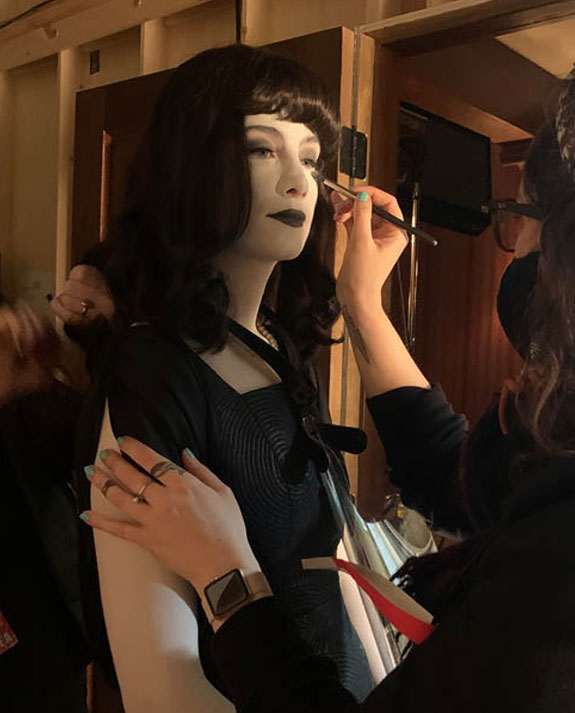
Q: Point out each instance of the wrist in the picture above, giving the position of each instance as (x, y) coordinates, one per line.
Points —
(363, 308)
(225, 595)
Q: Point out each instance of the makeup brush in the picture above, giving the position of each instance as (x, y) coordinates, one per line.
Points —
(409, 229)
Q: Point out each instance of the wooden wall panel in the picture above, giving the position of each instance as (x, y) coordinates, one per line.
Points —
(384, 140)
(208, 25)
(6, 167)
(486, 74)
(459, 341)
(29, 253)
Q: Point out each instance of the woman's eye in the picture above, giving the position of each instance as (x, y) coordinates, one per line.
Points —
(310, 162)
(262, 152)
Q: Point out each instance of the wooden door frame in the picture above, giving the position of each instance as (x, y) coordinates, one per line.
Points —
(461, 20)
(410, 34)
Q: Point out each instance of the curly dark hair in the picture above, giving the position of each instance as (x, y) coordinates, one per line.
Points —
(189, 195)
(546, 406)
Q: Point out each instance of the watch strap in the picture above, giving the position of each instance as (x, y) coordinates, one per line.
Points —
(257, 587)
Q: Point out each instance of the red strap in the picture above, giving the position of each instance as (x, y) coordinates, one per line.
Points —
(8, 638)
(411, 626)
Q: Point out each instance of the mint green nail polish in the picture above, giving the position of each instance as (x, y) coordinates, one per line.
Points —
(363, 196)
(85, 516)
(190, 453)
(119, 440)
(103, 455)
(89, 471)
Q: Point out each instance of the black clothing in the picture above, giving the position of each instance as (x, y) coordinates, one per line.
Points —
(39, 588)
(162, 393)
(505, 641)
(514, 299)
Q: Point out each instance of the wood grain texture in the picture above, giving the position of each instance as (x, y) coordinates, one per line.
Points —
(487, 75)
(456, 22)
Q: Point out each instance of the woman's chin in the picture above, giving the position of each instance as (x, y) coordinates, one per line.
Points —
(290, 249)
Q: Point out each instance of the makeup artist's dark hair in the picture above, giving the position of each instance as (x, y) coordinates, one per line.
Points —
(546, 406)
(189, 196)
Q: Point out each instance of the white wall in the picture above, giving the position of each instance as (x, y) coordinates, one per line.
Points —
(198, 29)
(29, 249)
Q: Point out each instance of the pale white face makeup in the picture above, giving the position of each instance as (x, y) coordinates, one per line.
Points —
(282, 156)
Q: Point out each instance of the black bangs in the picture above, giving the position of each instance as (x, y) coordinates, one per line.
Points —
(287, 89)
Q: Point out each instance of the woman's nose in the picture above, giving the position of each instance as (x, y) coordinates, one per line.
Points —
(294, 181)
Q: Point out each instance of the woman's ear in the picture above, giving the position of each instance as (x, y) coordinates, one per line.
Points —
(508, 387)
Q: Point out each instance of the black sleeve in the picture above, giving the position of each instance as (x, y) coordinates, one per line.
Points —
(267, 667)
(505, 646)
(423, 439)
(154, 394)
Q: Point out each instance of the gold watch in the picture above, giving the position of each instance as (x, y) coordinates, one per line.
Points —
(227, 594)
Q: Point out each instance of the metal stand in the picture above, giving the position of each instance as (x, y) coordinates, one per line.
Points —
(413, 271)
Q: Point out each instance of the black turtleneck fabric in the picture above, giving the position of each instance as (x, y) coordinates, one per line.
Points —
(505, 636)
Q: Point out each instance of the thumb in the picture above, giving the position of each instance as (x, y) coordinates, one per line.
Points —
(362, 212)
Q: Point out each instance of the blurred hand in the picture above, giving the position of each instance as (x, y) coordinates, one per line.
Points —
(373, 247)
(190, 520)
(28, 352)
(84, 298)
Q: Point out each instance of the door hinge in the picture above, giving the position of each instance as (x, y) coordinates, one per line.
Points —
(353, 156)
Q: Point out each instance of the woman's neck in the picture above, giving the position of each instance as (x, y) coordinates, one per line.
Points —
(246, 280)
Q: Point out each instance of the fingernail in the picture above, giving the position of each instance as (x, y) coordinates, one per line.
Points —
(190, 453)
(119, 440)
(84, 516)
(103, 455)
(362, 196)
(89, 471)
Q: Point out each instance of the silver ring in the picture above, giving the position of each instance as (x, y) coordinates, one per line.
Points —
(86, 305)
(139, 496)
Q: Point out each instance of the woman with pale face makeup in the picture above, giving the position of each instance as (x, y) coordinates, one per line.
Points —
(225, 239)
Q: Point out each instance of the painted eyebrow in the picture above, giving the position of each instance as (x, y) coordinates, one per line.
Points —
(309, 139)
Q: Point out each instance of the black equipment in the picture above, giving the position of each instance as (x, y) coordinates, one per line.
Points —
(452, 166)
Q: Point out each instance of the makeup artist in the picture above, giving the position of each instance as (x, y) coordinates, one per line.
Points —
(503, 598)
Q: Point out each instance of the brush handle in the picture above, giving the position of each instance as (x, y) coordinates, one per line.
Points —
(409, 229)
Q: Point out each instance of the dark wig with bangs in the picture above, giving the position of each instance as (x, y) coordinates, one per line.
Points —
(189, 197)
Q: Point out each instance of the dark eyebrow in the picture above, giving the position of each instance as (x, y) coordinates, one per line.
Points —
(309, 139)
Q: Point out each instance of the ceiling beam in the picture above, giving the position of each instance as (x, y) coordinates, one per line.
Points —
(461, 20)
(490, 76)
(65, 24)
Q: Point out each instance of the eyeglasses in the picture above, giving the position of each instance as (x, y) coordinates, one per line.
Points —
(502, 213)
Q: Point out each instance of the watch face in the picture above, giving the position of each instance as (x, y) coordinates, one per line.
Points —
(226, 592)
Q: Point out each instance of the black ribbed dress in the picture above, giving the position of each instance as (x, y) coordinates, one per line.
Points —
(162, 393)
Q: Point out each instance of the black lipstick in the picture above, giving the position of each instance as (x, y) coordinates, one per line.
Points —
(293, 218)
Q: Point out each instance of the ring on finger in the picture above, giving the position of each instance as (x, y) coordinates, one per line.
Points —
(163, 467)
(107, 485)
(139, 496)
(86, 305)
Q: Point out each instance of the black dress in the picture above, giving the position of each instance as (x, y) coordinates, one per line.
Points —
(162, 393)
(505, 637)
